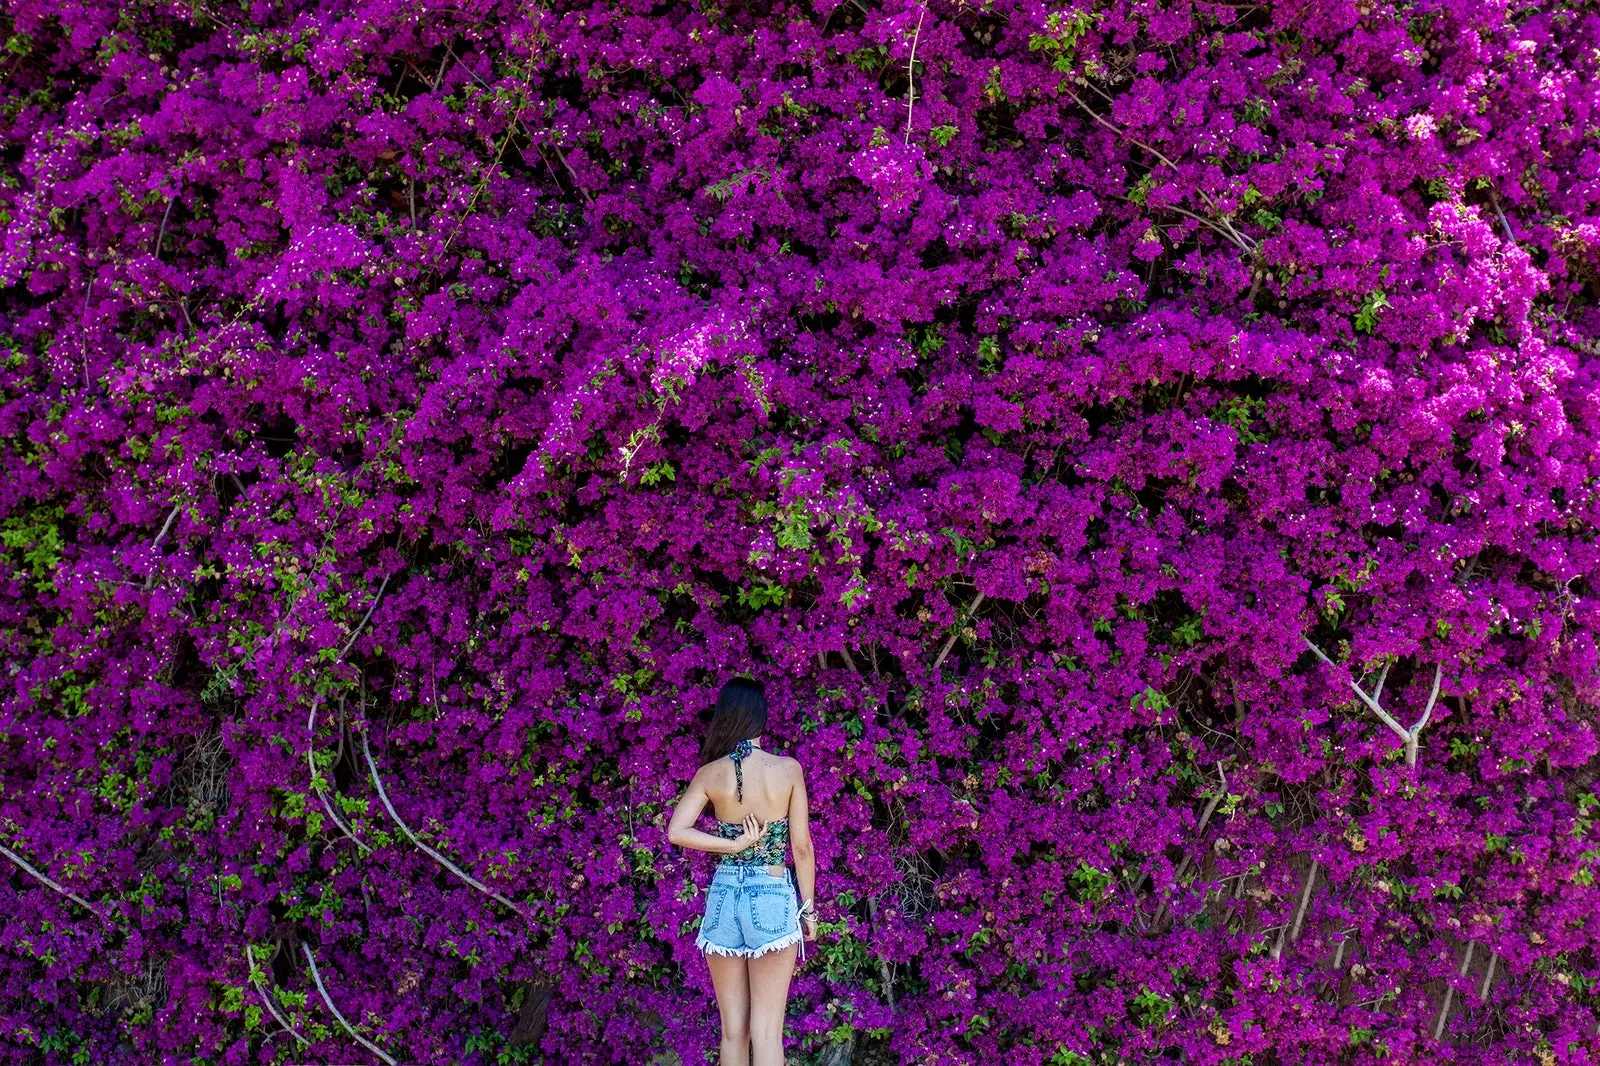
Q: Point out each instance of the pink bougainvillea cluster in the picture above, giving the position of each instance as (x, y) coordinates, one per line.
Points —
(1149, 449)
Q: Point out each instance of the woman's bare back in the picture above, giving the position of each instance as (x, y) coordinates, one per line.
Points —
(769, 782)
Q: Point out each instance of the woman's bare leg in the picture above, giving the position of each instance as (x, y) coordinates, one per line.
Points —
(769, 1000)
(730, 977)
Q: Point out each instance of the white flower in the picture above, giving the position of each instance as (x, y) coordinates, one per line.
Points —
(1421, 126)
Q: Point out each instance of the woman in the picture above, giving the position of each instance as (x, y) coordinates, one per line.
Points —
(753, 924)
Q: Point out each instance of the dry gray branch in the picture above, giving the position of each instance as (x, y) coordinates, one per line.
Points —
(149, 579)
(363, 1041)
(272, 1008)
(440, 859)
(972, 608)
(1292, 930)
(23, 865)
(911, 73)
(1450, 991)
(1409, 737)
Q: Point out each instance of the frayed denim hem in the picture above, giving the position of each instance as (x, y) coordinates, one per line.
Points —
(709, 948)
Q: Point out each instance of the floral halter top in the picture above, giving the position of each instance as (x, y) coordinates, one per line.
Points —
(774, 842)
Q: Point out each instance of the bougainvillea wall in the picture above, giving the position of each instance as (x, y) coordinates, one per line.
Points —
(1148, 449)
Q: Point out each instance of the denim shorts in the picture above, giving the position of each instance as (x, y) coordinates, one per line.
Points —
(749, 912)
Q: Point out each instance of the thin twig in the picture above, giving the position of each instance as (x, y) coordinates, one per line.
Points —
(440, 859)
(363, 1041)
(884, 973)
(23, 865)
(172, 516)
(384, 584)
(162, 232)
(272, 1008)
(1488, 978)
(911, 73)
(311, 725)
(972, 608)
(1504, 224)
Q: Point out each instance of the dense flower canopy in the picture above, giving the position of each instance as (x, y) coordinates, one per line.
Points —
(1148, 449)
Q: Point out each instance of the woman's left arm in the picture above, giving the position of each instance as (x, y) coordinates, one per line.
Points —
(681, 830)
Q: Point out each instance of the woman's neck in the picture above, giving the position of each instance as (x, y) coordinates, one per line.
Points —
(755, 741)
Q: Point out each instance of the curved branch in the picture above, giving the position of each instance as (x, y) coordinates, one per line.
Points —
(1399, 730)
(363, 1041)
(311, 722)
(440, 859)
(272, 1008)
(23, 865)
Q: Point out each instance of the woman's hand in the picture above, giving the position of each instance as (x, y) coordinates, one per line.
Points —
(808, 919)
(753, 829)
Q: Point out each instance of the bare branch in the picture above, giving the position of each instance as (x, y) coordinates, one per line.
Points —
(311, 764)
(1383, 715)
(272, 1008)
(440, 859)
(1200, 827)
(1504, 224)
(1433, 698)
(311, 725)
(848, 661)
(884, 973)
(23, 865)
(1338, 956)
(1291, 930)
(1450, 991)
(1488, 978)
(1383, 675)
(172, 516)
(363, 1041)
(162, 232)
(364, 618)
(911, 73)
(972, 608)
(1305, 898)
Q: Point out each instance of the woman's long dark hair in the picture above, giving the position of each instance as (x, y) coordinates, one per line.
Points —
(740, 713)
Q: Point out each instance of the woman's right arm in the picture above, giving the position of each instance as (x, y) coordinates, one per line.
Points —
(681, 830)
(805, 857)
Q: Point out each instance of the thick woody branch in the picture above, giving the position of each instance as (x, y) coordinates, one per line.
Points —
(363, 1041)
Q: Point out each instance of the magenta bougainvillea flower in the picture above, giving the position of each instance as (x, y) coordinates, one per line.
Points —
(1150, 450)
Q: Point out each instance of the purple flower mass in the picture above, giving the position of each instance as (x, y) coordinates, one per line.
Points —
(1149, 450)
